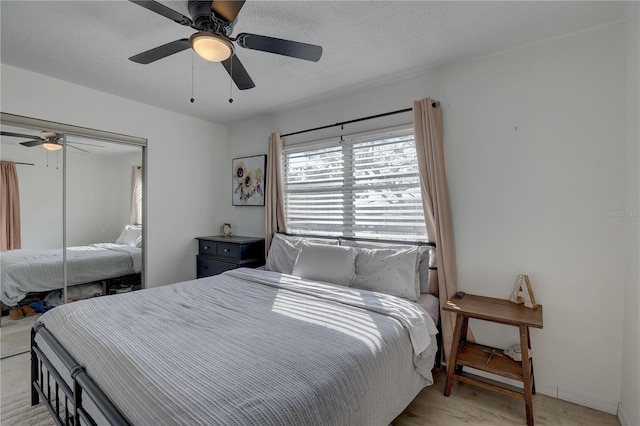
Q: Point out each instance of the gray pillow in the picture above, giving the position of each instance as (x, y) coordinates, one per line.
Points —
(284, 251)
(389, 270)
(428, 281)
(321, 262)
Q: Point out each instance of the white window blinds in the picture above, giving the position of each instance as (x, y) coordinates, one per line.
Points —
(366, 187)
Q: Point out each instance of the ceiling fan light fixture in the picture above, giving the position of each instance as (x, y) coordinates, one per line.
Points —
(211, 47)
(51, 145)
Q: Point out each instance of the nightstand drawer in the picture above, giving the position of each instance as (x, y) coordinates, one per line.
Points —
(208, 267)
(208, 247)
(228, 250)
(217, 254)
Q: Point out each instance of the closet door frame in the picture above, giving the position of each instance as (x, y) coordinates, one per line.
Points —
(68, 129)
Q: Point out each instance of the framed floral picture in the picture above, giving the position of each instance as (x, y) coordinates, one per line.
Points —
(248, 180)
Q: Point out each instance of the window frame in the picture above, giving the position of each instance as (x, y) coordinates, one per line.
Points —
(350, 147)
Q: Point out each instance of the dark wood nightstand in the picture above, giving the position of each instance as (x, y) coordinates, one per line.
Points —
(217, 254)
(489, 359)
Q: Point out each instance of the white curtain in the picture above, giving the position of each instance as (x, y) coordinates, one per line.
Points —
(427, 122)
(135, 216)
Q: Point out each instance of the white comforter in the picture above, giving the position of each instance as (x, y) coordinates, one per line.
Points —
(24, 271)
(252, 348)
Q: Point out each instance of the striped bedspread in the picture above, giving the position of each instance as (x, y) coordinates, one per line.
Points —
(251, 347)
(25, 271)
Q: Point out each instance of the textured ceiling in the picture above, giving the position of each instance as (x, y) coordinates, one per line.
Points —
(365, 42)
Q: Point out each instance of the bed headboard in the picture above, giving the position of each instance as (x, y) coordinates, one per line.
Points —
(364, 240)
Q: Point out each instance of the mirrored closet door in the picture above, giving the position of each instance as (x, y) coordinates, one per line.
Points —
(73, 213)
(103, 217)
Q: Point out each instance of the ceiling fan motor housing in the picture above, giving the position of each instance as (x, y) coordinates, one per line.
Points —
(205, 20)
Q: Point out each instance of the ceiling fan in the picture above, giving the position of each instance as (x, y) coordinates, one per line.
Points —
(49, 140)
(214, 21)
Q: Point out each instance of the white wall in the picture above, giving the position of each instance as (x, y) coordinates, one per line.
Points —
(535, 151)
(184, 157)
(249, 140)
(629, 413)
(98, 196)
(40, 196)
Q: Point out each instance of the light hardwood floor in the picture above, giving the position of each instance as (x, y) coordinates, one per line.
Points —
(467, 405)
(15, 335)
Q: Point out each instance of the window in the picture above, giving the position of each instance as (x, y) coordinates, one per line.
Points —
(366, 187)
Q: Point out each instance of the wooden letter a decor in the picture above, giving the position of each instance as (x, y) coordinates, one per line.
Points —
(522, 292)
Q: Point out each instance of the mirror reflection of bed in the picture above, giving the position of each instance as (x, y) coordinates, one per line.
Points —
(101, 218)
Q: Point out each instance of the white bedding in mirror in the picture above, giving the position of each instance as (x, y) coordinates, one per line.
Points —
(26, 271)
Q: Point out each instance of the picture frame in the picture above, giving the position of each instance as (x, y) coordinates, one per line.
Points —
(248, 180)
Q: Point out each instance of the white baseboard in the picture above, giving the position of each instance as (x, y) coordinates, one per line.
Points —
(611, 407)
(622, 417)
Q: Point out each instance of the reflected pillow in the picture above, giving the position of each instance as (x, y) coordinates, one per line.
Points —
(389, 271)
(131, 236)
(320, 262)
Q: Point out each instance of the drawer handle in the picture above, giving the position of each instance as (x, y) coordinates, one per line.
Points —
(205, 248)
(227, 250)
(204, 267)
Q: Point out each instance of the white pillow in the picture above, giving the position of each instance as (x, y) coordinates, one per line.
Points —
(389, 271)
(284, 251)
(122, 235)
(131, 235)
(321, 262)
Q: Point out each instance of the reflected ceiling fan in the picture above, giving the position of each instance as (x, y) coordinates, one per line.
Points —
(214, 21)
(49, 140)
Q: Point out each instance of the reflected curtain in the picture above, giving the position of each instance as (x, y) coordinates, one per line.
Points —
(135, 216)
(9, 193)
(274, 191)
(427, 122)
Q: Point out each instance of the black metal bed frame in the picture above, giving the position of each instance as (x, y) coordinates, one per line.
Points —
(82, 384)
(365, 240)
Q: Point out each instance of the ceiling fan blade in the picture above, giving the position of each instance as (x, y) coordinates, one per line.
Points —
(161, 51)
(35, 142)
(240, 75)
(294, 49)
(227, 9)
(84, 143)
(75, 147)
(17, 135)
(163, 10)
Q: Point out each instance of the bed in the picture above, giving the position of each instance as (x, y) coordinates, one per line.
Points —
(244, 347)
(37, 271)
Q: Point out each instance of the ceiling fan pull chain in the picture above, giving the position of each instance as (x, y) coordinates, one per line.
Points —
(192, 99)
(231, 81)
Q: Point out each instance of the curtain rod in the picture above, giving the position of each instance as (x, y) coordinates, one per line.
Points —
(434, 104)
(24, 164)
